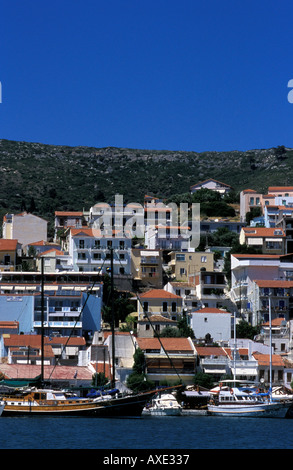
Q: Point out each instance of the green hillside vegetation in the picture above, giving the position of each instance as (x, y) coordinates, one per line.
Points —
(43, 178)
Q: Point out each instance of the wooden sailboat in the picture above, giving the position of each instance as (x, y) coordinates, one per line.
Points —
(43, 402)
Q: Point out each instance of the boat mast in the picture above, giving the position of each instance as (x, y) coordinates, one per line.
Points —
(235, 349)
(270, 323)
(42, 320)
(113, 318)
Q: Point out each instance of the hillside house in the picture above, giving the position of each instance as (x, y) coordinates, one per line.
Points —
(90, 251)
(268, 240)
(247, 268)
(146, 268)
(161, 302)
(278, 367)
(26, 228)
(54, 260)
(182, 264)
(10, 253)
(168, 359)
(72, 302)
(168, 237)
(152, 325)
(26, 349)
(214, 323)
(213, 185)
(281, 335)
(185, 290)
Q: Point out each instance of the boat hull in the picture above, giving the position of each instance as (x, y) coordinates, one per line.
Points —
(131, 406)
(169, 412)
(265, 410)
(2, 406)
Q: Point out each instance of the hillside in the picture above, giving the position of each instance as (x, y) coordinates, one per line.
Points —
(43, 178)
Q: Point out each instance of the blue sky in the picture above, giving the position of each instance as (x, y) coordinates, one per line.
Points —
(158, 74)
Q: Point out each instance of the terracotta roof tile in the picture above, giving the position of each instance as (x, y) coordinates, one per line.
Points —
(211, 310)
(159, 294)
(169, 344)
(264, 359)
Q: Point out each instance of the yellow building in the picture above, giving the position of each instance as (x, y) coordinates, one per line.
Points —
(9, 250)
(185, 263)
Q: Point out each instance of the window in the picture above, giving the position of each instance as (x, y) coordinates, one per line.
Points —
(203, 259)
(205, 319)
(145, 306)
(174, 307)
(81, 244)
(180, 257)
(165, 306)
(147, 327)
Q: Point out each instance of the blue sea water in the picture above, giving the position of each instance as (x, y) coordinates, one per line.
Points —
(169, 433)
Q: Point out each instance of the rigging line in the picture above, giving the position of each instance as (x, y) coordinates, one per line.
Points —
(155, 332)
(89, 291)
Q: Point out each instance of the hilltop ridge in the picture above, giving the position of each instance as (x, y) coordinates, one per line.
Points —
(44, 178)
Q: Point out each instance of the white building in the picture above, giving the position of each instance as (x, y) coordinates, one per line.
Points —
(24, 227)
(91, 252)
(211, 321)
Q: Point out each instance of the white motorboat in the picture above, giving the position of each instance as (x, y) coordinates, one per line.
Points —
(164, 404)
(233, 399)
(282, 393)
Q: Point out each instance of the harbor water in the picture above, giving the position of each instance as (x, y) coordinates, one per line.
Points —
(169, 433)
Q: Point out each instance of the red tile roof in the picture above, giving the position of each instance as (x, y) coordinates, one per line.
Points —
(28, 371)
(68, 213)
(263, 232)
(8, 245)
(169, 344)
(275, 322)
(260, 256)
(210, 351)
(274, 283)
(34, 341)
(280, 188)
(158, 318)
(159, 294)
(211, 310)
(264, 359)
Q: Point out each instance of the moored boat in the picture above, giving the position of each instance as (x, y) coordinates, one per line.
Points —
(232, 399)
(44, 402)
(163, 405)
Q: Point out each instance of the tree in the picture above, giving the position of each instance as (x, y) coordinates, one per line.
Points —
(184, 329)
(137, 380)
(203, 380)
(170, 332)
(99, 379)
(245, 330)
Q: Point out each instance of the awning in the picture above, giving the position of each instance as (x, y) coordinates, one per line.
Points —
(214, 371)
(243, 371)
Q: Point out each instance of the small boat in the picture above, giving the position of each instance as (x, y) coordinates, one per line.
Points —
(282, 393)
(163, 405)
(237, 400)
